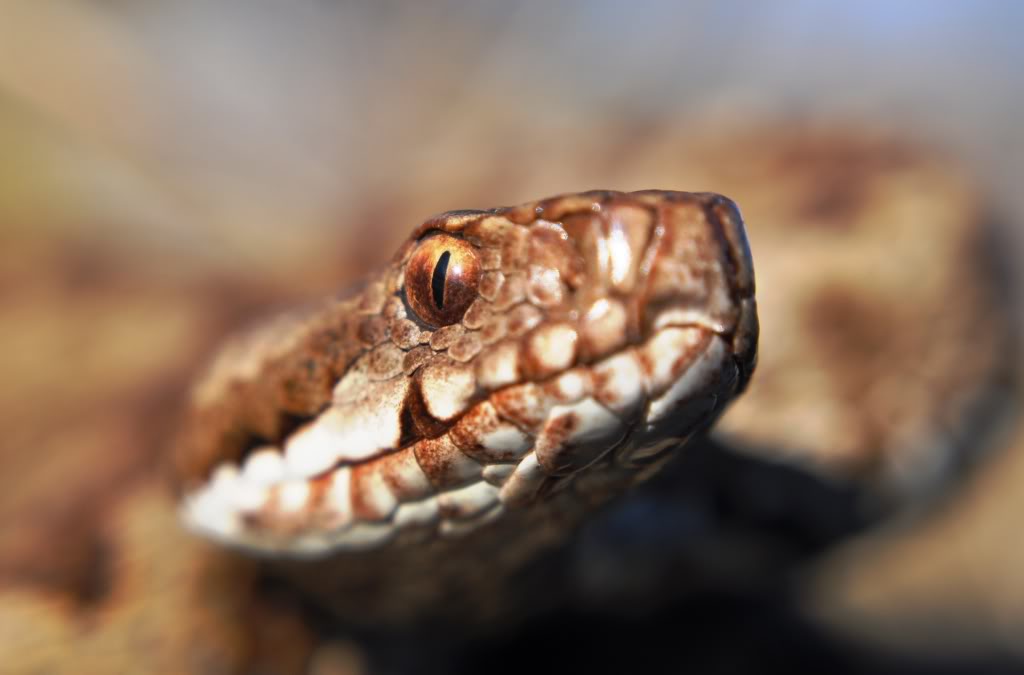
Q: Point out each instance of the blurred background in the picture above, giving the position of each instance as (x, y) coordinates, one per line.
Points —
(171, 170)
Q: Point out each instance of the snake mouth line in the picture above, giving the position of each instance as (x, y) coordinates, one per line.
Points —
(449, 486)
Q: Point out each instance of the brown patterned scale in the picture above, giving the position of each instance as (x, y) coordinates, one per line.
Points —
(501, 356)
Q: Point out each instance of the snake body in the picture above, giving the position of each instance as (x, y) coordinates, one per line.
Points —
(510, 370)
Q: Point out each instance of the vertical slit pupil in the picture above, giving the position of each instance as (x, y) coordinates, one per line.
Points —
(437, 281)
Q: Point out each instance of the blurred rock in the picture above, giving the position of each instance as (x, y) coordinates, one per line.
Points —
(947, 584)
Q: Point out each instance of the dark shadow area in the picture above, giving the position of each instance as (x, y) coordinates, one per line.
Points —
(712, 519)
(690, 573)
(705, 633)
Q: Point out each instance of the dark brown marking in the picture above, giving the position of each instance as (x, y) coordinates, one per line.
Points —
(518, 405)
(318, 487)
(361, 480)
(390, 467)
(552, 442)
(416, 421)
(481, 420)
(646, 364)
(442, 462)
(684, 360)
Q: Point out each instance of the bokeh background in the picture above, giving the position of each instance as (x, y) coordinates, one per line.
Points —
(168, 170)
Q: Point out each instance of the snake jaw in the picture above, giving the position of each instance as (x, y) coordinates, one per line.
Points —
(607, 328)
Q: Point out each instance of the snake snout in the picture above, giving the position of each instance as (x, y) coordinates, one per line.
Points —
(655, 259)
(700, 266)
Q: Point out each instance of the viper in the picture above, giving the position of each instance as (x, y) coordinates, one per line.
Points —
(402, 449)
(880, 352)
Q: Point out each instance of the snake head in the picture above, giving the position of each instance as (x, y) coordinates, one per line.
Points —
(505, 360)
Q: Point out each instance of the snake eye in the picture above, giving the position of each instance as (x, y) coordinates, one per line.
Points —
(441, 279)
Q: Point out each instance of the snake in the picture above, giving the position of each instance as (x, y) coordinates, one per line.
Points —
(862, 378)
(509, 371)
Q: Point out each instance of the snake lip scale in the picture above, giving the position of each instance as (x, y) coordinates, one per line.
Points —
(532, 359)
